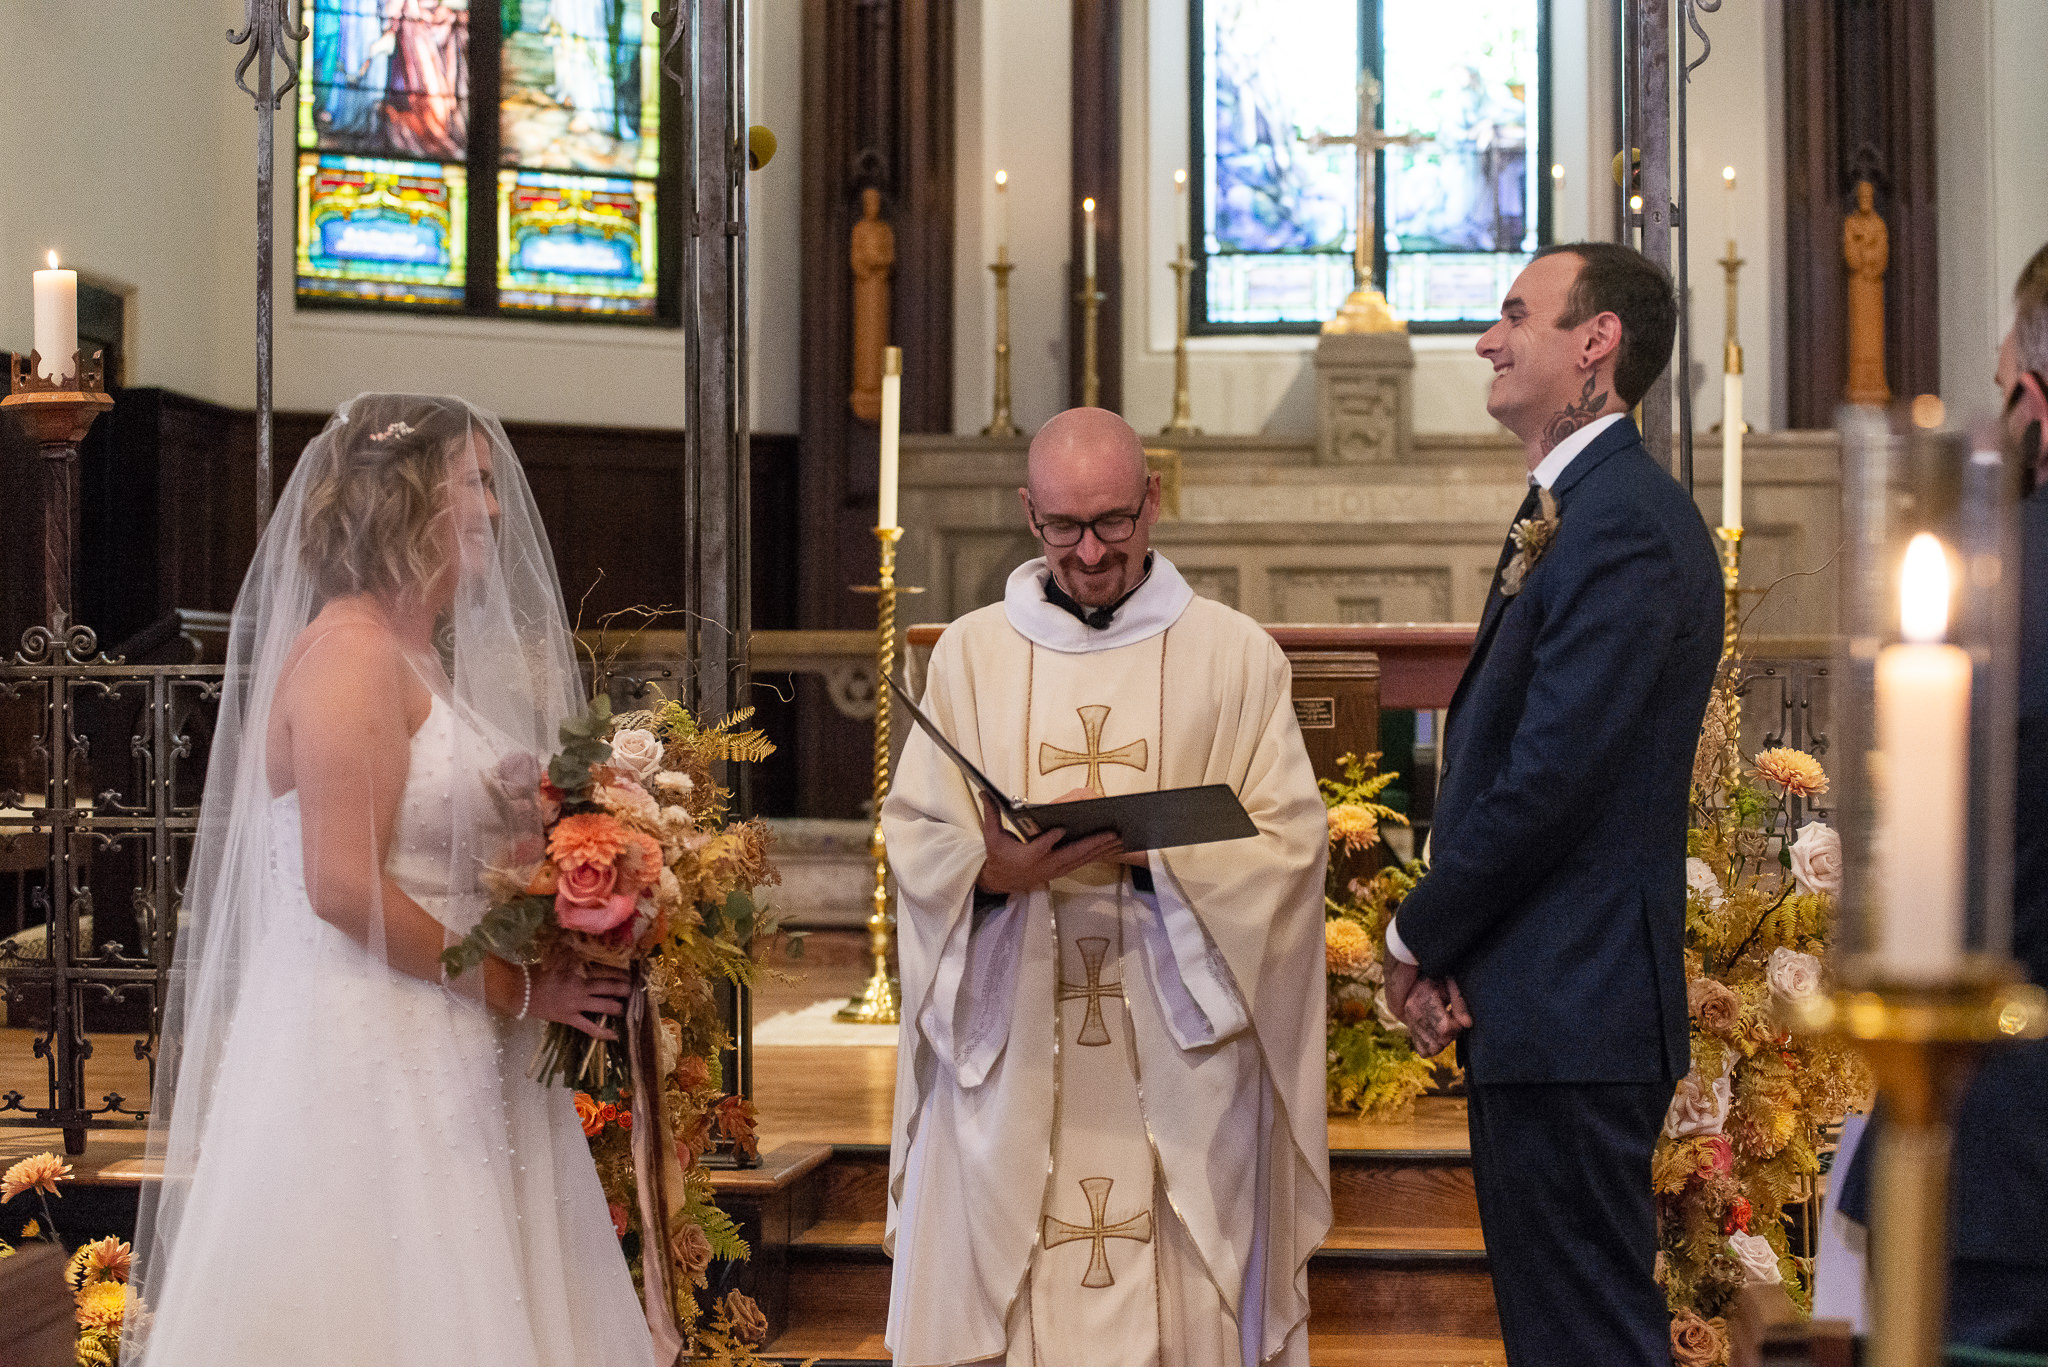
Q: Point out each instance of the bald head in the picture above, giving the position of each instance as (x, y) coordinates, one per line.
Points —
(1087, 466)
(1081, 449)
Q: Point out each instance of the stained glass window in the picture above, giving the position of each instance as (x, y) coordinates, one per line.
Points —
(388, 151)
(1456, 215)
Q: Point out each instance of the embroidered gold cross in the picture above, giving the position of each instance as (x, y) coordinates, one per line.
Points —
(1138, 1227)
(1093, 1031)
(1051, 758)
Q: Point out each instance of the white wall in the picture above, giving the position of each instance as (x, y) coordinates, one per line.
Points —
(140, 170)
(1014, 112)
(1992, 180)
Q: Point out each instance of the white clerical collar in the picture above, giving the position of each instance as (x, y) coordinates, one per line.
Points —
(1156, 605)
(1551, 466)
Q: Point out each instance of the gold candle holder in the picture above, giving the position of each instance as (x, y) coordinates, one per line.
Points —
(879, 1002)
(1091, 306)
(1000, 426)
(1922, 1044)
(1183, 424)
(58, 414)
(1731, 587)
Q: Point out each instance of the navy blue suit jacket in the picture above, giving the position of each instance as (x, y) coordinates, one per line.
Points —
(1556, 892)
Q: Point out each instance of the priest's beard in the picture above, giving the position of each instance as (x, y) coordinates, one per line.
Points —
(1110, 580)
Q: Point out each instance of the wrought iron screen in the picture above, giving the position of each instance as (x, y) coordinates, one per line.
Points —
(101, 766)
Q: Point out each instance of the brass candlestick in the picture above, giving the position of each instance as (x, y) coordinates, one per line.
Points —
(878, 1002)
(1731, 587)
(1183, 424)
(1091, 305)
(999, 425)
(1922, 1044)
(58, 413)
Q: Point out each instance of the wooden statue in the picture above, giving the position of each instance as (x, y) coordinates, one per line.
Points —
(1866, 248)
(874, 255)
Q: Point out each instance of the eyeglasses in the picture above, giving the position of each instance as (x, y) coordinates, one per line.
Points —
(1110, 528)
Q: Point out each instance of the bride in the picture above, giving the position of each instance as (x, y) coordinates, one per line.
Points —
(356, 1167)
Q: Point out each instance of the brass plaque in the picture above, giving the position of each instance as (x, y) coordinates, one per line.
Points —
(1316, 714)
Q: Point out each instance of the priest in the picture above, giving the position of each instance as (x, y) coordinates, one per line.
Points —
(1109, 1140)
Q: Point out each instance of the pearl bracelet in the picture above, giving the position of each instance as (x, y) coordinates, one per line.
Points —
(526, 998)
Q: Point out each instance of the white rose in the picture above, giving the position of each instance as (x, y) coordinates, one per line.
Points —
(1792, 975)
(1700, 879)
(635, 751)
(1759, 1260)
(1817, 858)
(1698, 1109)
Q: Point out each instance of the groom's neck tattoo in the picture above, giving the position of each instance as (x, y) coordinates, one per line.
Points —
(1575, 415)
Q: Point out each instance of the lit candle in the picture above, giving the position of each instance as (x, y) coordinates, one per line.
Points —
(1088, 241)
(57, 321)
(1923, 726)
(1002, 215)
(1728, 202)
(1180, 209)
(892, 421)
(1731, 450)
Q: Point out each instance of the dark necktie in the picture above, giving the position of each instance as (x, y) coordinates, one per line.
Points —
(1508, 548)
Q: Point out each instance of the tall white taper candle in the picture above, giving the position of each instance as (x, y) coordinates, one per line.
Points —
(1088, 239)
(56, 321)
(1731, 450)
(892, 422)
(1923, 738)
(1002, 215)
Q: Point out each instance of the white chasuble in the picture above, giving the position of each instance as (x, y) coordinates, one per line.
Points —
(1109, 1144)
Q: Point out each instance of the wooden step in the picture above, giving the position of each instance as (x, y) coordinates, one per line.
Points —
(1415, 1189)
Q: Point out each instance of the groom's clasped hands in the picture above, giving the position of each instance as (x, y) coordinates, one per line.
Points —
(1434, 1011)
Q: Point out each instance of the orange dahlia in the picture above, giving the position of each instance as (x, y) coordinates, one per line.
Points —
(639, 862)
(586, 838)
(38, 1172)
(1353, 827)
(102, 1305)
(1797, 772)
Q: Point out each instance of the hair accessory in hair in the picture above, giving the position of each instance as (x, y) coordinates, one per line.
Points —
(397, 429)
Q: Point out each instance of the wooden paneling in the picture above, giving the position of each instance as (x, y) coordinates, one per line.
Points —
(1859, 105)
(1097, 171)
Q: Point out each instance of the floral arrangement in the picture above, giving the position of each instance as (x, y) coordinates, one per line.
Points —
(1373, 1070)
(1742, 1139)
(97, 1273)
(641, 867)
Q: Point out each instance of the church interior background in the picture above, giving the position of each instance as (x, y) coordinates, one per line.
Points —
(528, 261)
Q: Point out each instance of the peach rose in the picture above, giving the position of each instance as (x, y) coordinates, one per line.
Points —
(692, 1247)
(1817, 859)
(1714, 1006)
(1695, 1342)
(587, 899)
(749, 1325)
(1698, 1108)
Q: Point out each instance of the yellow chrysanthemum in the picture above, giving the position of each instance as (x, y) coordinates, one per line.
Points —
(102, 1260)
(1797, 772)
(1348, 949)
(101, 1305)
(1353, 827)
(38, 1172)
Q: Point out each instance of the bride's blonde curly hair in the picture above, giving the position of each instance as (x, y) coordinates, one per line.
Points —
(369, 520)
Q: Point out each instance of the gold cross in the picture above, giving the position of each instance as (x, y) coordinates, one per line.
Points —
(1093, 1031)
(1370, 140)
(1051, 759)
(1138, 1227)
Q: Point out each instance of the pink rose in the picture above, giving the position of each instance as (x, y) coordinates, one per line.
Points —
(586, 899)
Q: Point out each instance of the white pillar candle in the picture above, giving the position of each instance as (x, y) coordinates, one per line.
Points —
(1002, 215)
(1731, 450)
(1088, 240)
(892, 421)
(1180, 207)
(1923, 734)
(56, 321)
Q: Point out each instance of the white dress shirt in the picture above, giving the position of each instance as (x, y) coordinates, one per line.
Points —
(1545, 474)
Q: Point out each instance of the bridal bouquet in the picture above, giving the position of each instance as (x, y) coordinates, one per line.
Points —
(1742, 1139)
(634, 852)
(1373, 1070)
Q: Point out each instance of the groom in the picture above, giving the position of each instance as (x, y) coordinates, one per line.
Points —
(1551, 925)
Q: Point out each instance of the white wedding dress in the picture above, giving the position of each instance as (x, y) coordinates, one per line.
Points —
(378, 1182)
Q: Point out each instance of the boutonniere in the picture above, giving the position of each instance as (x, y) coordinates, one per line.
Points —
(1532, 537)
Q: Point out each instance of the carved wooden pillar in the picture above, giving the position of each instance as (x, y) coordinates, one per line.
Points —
(1097, 171)
(878, 116)
(1859, 106)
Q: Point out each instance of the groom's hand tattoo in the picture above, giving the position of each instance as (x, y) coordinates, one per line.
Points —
(1575, 415)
